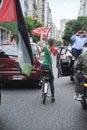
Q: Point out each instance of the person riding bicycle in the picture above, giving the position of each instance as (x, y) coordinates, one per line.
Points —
(80, 68)
(47, 63)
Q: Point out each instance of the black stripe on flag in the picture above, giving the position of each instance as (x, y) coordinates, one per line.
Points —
(22, 29)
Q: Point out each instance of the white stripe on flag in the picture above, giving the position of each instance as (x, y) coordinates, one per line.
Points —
(23, 57)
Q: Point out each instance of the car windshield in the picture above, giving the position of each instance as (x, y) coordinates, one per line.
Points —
(10, 50)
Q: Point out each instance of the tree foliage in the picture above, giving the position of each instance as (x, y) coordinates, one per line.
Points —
(31, 24)
(73, 26)
(57, 43)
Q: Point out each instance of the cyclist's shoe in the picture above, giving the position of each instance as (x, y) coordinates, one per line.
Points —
(52, 100)
(40, 83)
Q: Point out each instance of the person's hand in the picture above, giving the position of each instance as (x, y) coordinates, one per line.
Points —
(85, 33)
(77, 34)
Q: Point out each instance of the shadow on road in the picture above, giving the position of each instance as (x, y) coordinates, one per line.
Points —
(19, 85)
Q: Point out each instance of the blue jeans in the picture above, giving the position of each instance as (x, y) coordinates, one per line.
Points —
(76, 52)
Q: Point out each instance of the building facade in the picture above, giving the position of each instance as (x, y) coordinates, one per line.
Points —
(83, 8)
(39, 9)
(62, 27)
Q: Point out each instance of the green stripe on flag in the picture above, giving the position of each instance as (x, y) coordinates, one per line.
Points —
(11, 26)
(27, 70)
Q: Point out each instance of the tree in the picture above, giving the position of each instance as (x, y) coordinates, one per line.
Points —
(57, 43)
(31, 24)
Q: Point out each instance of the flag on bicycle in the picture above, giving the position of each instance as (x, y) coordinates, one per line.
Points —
(11, 18)
(39, 30)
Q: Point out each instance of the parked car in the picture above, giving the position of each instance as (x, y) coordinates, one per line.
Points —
(9, 67)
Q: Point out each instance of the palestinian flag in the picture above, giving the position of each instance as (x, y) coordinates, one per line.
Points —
(11, 18)
(38, 31)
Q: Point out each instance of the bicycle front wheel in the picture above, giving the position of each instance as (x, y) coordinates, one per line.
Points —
(45, 90)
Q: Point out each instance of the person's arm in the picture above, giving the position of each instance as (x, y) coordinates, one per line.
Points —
(85, 34)
(78, 63)
(41, 39)
(73, 37)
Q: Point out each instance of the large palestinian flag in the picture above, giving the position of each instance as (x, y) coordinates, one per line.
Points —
(11, 18)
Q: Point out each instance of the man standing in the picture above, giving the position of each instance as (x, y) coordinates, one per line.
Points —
(79, 39)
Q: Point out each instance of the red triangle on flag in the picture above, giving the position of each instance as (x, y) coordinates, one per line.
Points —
(8, 14)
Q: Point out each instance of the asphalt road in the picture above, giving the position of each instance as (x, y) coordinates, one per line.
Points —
(22, 109)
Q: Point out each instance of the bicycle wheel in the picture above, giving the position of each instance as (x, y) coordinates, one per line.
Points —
(45, 90)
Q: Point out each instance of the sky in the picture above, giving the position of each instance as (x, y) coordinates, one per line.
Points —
(61, 9)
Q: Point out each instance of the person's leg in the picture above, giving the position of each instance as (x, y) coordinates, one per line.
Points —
(78, 87)
(79, 52)
(75, 52)
(41, 75)
(52, 88)
(77, 83)
(78, 79)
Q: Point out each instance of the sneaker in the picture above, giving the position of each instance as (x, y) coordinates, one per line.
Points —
(75, 97)
(52, 100)
(79, 98)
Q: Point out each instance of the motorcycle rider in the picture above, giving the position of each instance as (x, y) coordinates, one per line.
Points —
(80, 68)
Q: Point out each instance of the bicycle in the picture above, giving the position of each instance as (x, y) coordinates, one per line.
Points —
(45, 84)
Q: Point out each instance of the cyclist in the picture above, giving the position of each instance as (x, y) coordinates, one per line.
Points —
(47, 63)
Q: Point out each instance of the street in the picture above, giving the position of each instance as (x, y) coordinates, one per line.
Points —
(22, 109)
(26, 28)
